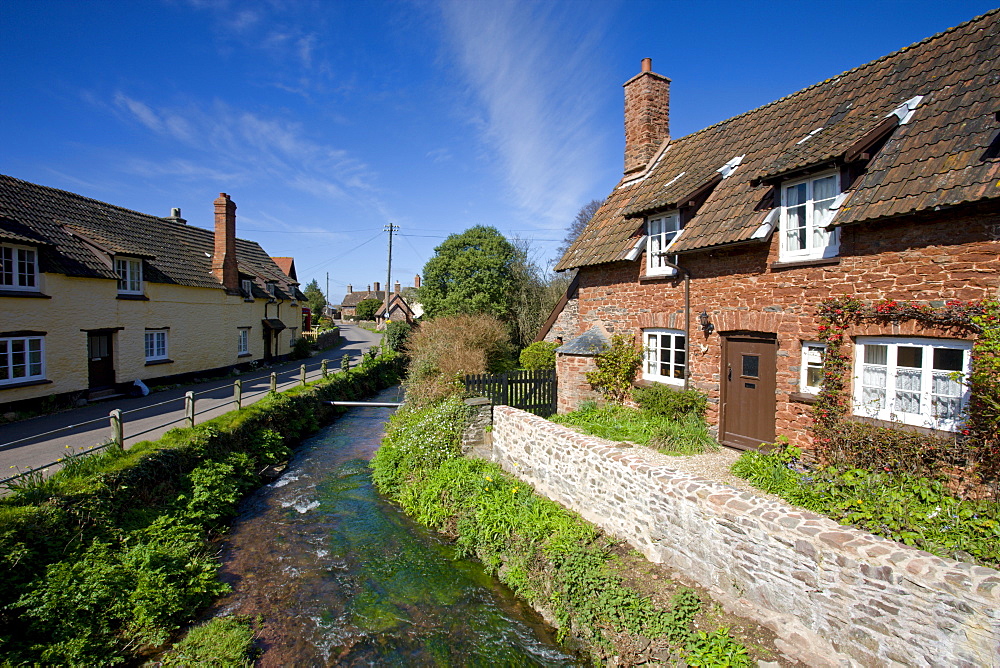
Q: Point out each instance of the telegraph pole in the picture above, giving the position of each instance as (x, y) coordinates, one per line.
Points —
(390, 228)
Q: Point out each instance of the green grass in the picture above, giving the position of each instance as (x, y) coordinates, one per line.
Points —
(223, 642)
(686, 434)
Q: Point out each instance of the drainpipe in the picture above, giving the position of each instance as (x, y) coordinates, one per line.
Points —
(687, 320)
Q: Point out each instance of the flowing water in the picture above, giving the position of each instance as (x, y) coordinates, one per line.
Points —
(338, 576)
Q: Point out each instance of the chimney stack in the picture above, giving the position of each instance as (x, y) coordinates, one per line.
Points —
(350, 288)
(395, 288)
(416, 281)
(377, 286)
(224, 259)
(647, 116)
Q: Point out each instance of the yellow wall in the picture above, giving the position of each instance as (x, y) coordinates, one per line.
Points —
(203, 330)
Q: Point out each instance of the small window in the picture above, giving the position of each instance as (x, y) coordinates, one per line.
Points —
(247, 287)
(18, 268)
(129, 272)
(664, 357)
(806, 209)
(156, 345)
(270, 289)
(811, 380)
(292, 335)
(918, 382)
(243, 343)
(22, 358)
(661, 233)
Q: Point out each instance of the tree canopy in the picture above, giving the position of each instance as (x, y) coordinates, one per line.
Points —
(317, 301)
(366, 308)
(471, 272)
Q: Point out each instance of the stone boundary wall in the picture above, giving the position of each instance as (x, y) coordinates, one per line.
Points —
(835, 595)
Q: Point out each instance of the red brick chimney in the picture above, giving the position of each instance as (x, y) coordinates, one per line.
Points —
(647, 116)
(224, 258)
(377, 286)
(416, 281)
(396, 287)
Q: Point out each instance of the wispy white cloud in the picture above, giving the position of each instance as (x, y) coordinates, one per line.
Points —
(532, 72)
(232, 146)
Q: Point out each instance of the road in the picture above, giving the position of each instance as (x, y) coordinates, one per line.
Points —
(148, 418)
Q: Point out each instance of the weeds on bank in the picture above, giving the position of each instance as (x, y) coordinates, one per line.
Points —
(686, 434)
(545, 553)
(917, 511)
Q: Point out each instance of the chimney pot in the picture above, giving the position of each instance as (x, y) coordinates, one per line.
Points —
(647, 64)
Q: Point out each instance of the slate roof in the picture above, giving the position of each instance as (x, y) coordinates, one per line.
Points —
(939, 158)
(591, 343)
(77, 236)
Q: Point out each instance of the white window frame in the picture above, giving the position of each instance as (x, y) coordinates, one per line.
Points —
(129, 270)
(887, 409)
(18, 268)
(812, 358)
(243, 341)
(247, 287)
(814, 222)
(156, 344)
(652, 363)
(661, 233)
(291, 336)
(32, 370)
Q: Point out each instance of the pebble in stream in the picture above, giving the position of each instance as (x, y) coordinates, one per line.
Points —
(341, 577)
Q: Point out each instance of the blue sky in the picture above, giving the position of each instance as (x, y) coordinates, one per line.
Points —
(327, 120)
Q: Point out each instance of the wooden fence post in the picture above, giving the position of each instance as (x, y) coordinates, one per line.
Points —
(189, 408)
(274, 382)
(117, 428)
(238, 393)
(323, 369)
(302, 374)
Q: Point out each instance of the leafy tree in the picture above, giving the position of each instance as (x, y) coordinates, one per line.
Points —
(317, 301)
(366, 308)
(471, 272)
(583, 217)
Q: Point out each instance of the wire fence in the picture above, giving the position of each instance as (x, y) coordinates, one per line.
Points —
(189, 401)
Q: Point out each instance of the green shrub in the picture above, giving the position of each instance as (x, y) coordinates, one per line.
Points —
(301, 349)
(660, 399)
(616, 369)
(366, 308)
(396, 334)
(539, 355)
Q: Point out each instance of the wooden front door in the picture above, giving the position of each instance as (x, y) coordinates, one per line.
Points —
(101, 362)
(748, 386)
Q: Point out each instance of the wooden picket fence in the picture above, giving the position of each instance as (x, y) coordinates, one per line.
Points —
(533, 391)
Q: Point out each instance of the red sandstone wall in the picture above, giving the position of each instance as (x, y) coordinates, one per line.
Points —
(741, 290)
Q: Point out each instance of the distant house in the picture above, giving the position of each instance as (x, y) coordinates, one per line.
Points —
(95, 296)
(714, 250)
(349, 304)
(399, 310)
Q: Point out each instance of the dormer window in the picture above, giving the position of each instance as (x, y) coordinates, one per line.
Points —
(247, 286)
(807, 206)
(270, 289)
(129, 272)
(18, 268)
(661, 232)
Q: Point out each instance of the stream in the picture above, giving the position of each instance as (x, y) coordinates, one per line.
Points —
(338, 576)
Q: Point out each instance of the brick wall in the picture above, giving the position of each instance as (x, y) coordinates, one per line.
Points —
(572, 383)
(836, 596)
(920, 260)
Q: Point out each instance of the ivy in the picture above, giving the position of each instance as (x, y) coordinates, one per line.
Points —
(976, 447)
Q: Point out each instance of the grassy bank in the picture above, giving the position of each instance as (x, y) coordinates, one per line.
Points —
(110, 556)
(546, 554)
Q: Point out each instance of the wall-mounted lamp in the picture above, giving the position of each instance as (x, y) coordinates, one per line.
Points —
(706, 324)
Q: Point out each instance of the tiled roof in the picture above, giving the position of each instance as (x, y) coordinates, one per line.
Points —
(937, 159)
(76, 234)
(287, 265)
(353, 298)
